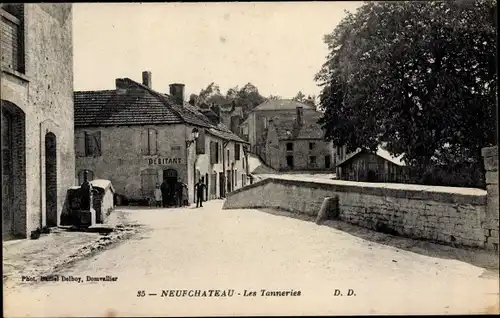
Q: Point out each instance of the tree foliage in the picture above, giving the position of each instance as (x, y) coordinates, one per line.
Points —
(247, 97)
(416, 76)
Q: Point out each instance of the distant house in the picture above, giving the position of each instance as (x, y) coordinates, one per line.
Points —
(379, 166)
(254, 128)
(297, 143)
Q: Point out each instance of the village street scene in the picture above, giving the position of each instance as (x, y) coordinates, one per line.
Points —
(252, 159)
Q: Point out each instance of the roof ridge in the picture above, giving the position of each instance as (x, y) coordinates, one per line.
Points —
(161, 98)
(94, 91)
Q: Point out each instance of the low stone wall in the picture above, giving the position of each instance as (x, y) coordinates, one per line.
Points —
(442, 214)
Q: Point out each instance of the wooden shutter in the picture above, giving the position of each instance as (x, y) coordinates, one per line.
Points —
(89, 144)
(216, 152)
(152, 141)
(80, 144)
(212, 152)
(97, 143)
(144, 142)
(200, 143)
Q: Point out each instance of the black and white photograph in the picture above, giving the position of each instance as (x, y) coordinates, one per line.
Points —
(182, 159)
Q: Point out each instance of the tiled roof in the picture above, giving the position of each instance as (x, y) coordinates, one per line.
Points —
(287, 129)
(281, 104)
(139, 105)
(381, 152)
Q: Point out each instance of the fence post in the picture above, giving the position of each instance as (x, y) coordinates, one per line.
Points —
(329, 209)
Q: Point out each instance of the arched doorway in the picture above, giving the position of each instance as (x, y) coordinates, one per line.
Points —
(51, 179)
(170, 177)
(13, 143)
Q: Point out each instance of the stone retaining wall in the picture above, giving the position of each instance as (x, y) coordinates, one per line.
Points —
(442, 214)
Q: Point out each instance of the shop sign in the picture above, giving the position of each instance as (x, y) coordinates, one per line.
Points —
(164, 161)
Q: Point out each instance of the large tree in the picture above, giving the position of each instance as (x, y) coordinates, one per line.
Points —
(417, 76)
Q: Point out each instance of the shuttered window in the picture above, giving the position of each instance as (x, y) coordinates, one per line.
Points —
(12, 39)
(88, 144)
(149, 142)
(237, 151)
(93, 144)
(200, 143)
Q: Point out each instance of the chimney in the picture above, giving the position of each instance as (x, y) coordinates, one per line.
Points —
(300, 116)
(177, 93)
(146, 78)
(121, 86)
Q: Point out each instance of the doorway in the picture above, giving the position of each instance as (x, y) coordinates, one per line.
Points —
(170, 177)
(51, 179)
(206, 188)
(7, 176)
(13, 144)
(221, 185)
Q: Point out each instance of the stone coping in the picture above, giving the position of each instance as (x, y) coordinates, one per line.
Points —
(397, 190)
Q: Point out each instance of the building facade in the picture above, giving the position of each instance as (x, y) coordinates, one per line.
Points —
(254, 128)
(37, 115)
(137, 138)
(297, 144)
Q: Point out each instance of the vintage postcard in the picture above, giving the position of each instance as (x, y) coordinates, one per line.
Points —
(249, 158)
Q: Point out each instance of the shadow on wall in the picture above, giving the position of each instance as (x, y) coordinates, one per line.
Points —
(477, 257)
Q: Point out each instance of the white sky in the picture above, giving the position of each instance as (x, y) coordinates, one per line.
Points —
(277, 46)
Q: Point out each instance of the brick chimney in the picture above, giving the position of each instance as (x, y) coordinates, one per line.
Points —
(300, 116)
(177, 93)
(146, 79)
(121, 86)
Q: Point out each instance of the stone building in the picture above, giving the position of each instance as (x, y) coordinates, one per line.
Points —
(137, 138)
(297, 143)
(38, 157)
(254, 128)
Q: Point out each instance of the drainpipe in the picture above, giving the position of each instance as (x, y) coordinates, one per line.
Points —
(224, 145)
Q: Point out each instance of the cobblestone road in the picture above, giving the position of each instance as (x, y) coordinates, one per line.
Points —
(210, 248)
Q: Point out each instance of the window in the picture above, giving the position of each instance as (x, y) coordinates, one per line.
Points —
(264, 120)
(289, 161)
(12, 42)
(217, 152)
(90, 175)
(227, 157)
(237, 151)
(312, 145)
(149, 141)
(88, 144)
(312, 160)
(289, 146)
(200, 142)
(328, 160)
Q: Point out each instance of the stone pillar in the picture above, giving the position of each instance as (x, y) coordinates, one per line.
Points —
(490, 225)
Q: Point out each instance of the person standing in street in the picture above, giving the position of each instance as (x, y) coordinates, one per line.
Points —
(200, 191)
(178, 192)
(185, 200)
(164, 192)
(158, 196)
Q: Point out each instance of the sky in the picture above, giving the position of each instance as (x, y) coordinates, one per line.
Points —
(277, 46)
